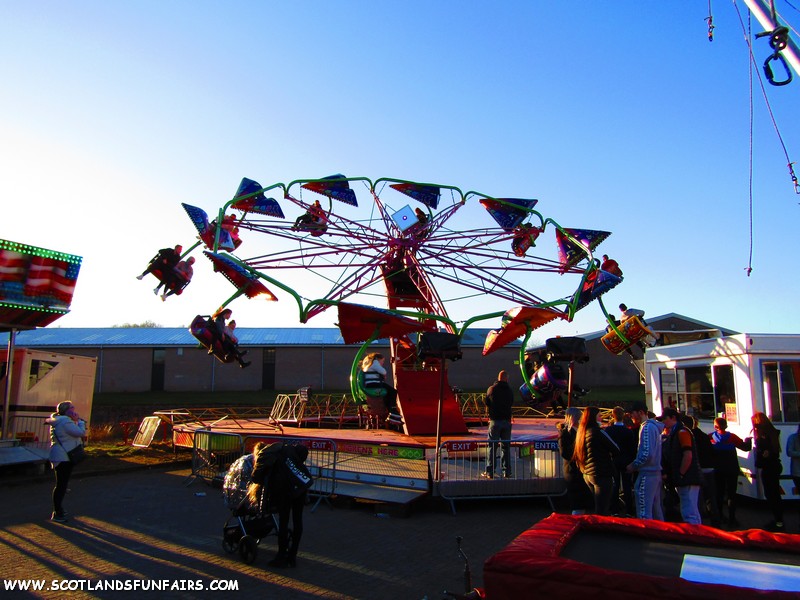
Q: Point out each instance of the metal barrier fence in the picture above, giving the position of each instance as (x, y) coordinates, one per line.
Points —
(212, 454)
(306, 408)
(321, 462)
(536, 470)
(30, 430)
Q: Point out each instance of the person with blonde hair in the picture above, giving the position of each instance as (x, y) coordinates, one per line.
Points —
(372, 365)
(595, 453)
(67, 431)
(578, 495)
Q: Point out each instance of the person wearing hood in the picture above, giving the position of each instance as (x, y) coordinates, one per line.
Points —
(281, 469)
(647, 487)
(67, 431)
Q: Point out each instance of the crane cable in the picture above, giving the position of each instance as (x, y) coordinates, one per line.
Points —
(710, 20)
(752, 65)
(789, 162)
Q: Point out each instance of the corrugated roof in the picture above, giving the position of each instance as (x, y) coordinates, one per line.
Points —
(179, 336)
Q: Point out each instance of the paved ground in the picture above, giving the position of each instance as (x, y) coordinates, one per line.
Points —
(148, 525)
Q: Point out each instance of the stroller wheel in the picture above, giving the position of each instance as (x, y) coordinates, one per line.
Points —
(229, 546)
(248, 549)
(230, 538)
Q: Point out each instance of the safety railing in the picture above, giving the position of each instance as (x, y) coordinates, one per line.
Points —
(321, 462)
(212, 454)
(309, 408)
(535, 470)
(30, 430)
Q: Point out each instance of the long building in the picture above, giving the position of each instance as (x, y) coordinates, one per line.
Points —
(285, 359)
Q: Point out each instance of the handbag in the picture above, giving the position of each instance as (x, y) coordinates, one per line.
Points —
(77, 455)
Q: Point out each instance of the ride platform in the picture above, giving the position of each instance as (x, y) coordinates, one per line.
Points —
(380, 465)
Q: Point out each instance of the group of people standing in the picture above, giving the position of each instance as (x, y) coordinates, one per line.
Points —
(634, 467)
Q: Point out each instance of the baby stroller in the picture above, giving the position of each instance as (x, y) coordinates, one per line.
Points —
(248, 524)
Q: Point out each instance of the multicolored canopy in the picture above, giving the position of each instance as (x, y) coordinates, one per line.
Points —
(239, 276)
(516, 323)
(207, 232)
(427, 194)
(258, 203)
(508, 212)
(570, 253)
(334, 186)
(597, 283)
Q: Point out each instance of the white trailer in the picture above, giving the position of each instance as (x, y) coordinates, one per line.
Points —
(732, 377)
(39, 381)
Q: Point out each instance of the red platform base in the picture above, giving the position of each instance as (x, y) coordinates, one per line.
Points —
(590, 556)
(418, 398)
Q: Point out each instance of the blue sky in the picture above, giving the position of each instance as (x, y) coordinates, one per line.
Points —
(619, 117)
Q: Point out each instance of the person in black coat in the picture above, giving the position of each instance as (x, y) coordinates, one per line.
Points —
(499, 399)
(626, 439)
(281, 468)
(595, 455)
(578, 495)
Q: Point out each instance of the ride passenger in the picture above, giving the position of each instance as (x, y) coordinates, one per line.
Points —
(314, 217)
(609, 265)
(181, 276)
(626, 313)
(375, 377)
(229, 225)
(165, 261)
(231, 344)
(216, 327)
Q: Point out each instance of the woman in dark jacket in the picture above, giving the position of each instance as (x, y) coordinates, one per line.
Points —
(595, 452)
(578, 495)
(768, 462)
(281, 467)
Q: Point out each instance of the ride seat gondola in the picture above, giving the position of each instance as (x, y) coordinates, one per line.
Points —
(201, 329)
(632, 328)
(371, 403)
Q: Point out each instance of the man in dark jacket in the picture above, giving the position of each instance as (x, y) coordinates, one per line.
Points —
(625, 439)
(681, 465)
(499, 398)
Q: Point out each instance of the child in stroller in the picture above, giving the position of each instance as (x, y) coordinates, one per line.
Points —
(250, 522)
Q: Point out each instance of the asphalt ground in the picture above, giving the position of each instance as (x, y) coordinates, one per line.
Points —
(146, 526)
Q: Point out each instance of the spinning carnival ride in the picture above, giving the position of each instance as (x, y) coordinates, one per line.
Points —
(416, 260)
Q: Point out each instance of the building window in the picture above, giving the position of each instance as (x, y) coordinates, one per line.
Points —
(39, 370)
(692, 390)
(782, 401)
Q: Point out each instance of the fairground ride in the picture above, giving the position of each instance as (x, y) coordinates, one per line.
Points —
(374, 244)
